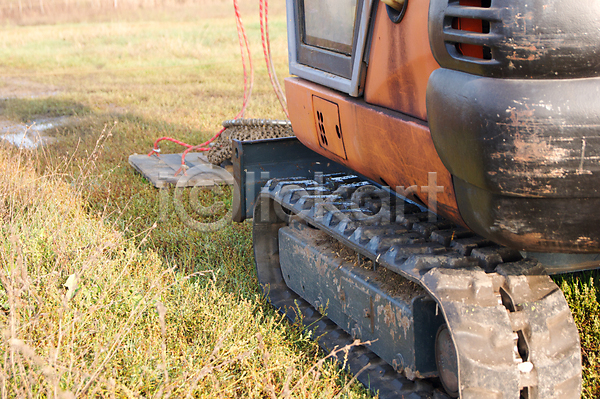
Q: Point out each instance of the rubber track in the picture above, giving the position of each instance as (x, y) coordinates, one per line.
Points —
(511, 325)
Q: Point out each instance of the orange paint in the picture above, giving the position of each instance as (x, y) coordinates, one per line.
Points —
(386, 146)
(400, 61)
(471, 25)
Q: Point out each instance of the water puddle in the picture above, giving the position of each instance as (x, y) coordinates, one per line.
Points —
(31, 135)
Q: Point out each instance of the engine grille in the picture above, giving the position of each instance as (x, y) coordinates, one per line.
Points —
(551, 39)
(470, 31)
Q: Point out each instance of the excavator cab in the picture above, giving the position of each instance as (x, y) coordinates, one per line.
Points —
(326, 41)
(453, 165)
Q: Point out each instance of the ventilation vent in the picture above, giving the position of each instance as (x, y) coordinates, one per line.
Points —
(468, 30)
(516, 39)
(329, 128)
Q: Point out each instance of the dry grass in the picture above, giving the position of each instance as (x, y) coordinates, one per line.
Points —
(86, 312)
(37, 12)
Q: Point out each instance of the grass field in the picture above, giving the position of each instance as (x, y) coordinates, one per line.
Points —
(154, 308)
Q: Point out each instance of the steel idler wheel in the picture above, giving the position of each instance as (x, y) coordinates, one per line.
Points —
(446, 360)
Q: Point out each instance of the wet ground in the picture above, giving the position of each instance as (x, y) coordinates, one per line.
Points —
(31, 135)
(28, 135)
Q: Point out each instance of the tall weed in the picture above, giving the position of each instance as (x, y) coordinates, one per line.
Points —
(87, 312)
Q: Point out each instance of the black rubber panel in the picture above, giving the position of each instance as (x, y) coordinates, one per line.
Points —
(532, 138)
(551, 39)
(512, 327)
(534, 224)
(525, 157)
(395, 316)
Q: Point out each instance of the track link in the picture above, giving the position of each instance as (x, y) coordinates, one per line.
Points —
(510, 324)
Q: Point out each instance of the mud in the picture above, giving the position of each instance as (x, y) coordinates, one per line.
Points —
(393, 283)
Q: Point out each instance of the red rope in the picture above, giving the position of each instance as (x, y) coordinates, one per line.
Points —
(281, 95)
(248, 83)
(266, 44)
(243, 39)
(156, 150)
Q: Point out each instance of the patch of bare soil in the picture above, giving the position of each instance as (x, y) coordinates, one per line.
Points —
(23, 88)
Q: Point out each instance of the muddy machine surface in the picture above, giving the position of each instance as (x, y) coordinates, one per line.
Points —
(446, 162)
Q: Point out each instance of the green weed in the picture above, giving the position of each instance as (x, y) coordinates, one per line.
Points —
(85, 311)
(582, 291)
(158, 309)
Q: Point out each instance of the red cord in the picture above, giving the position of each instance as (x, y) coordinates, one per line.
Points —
(202, 147)
(155, 149)
(243, 39)
(264, 34)
(245, 52)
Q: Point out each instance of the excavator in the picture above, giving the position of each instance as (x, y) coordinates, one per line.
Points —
(446, 162)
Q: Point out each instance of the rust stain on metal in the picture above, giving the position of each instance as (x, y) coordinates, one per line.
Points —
(516, 227)
(321, 266)
(587, 242)
(531, 43)
(412, 374)
(533, 240)
(388, 318)
(388, 314)
(530, 147)
(403, 321)
(537, 240)
(535, 173)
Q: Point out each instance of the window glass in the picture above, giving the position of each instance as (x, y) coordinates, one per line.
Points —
(330, 24)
